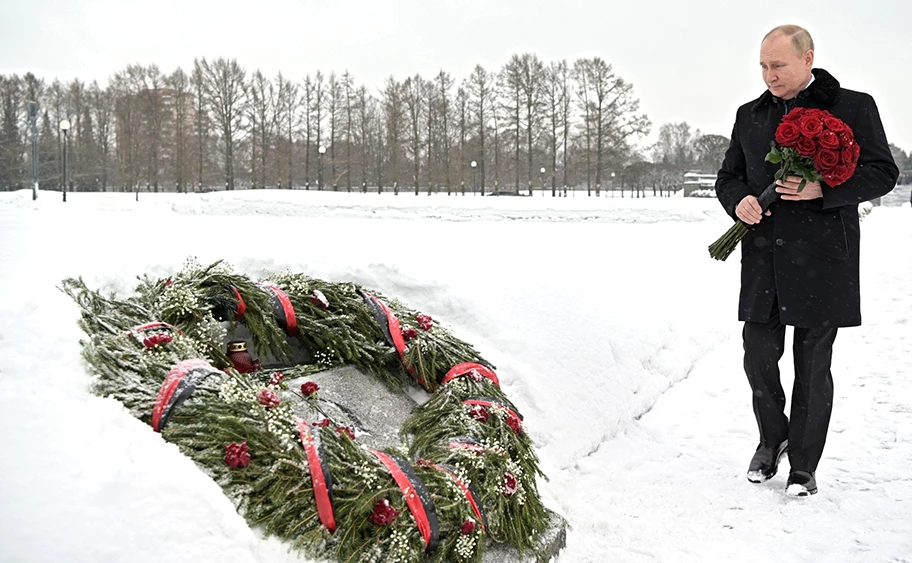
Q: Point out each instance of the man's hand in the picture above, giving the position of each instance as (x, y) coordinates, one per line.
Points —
(749, 210)
(788, 187)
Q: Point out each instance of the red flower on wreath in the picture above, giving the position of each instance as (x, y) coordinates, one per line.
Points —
(409, 333)
(236, 455)
(317, 298)
(345, 430)
(309, 389)
(323, 423)
(479, 413)
(425, 321)
(468, 526)
(268, 398)
(510, 484)
(384, 513)
(276, 378)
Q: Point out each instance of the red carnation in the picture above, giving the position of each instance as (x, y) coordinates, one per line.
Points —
(468, 526)
(806, 146)
(425, 463)
(276, 378)
(409, 333)
(475, 375)
(828, 140)
(515, 424)
(833, 124)
(236, 455)
(479, 413)
(268, 398)
(825, 159)
(346, 431)
(384, 513)
(309, 389)
(157, 339)
(323, 423)
(811, 125)
(425, 321)
(787, 134)
(510, 485)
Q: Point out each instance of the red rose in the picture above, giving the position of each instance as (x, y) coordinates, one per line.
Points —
(825, 159)
(828, 140)
(846, 138)
(793, 115)
(384, 513)
(479, 413)
(409, 333)
(425, 463)
(847, 155)
(276, 378)
(510, 485)
(787, 133)
(834, 124)
(268, 398)
(810, 125)
(309, 389)
(806, 146)
(323, 423)
(346, 431)
(468, 527)
(515, 424)
(425, 321)
(857, 150)
(236, 455)
(838, 175)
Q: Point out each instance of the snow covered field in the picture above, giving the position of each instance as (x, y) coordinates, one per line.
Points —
(612, 330)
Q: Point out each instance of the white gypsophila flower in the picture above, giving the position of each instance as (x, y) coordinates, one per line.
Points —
(465, 545)
(368, 476)
(400, 551)
(232, 392)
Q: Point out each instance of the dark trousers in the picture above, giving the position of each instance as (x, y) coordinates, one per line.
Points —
(812, 394)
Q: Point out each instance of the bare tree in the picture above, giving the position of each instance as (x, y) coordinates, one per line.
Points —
(395, 128)
(444, 86)
(554, 92)
(287, 117)
(349, 101)
(480, 88)
(333, 109)
(462, 116)
(413, 94)
(224, 82)
(263, 103)
(12, 146)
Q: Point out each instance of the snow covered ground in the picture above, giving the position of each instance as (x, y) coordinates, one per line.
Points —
(612, 330)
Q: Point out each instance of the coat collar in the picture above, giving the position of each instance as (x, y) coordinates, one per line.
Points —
(823, 91)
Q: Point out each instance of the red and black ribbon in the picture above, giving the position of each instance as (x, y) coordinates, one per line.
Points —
(468, 491)
(281, 306)
(389, 324)
(467, 443)
(319, 476)
(416, 497)
(460, 370)
(137, 330)
(179, 384)
(241, 305)
(489, 402)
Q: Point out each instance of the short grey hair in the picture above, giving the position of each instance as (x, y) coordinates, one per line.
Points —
(801, 39)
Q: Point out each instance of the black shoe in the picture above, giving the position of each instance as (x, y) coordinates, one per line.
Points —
(765, 462)
(801, 484)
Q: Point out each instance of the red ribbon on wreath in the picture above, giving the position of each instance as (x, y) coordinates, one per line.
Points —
(390, 326)
(467, 491)
(319, 476)
(416, 496)
(241, 305)
(178, 385)
(151, 326)
(467, 443)
(284, 311)
(460, 370)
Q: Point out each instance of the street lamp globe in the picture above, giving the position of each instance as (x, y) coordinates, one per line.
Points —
(65, 125)
(322, 149)
(473, 164)
(542, 170)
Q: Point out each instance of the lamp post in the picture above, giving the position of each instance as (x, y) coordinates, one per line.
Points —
(541, 180)
(474, 180)
(64, 127)
(612, 186)
(322, 151)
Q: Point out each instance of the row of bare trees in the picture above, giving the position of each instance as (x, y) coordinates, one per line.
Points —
(219, 126)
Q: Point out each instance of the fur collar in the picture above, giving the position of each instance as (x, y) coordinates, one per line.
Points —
(823, 91)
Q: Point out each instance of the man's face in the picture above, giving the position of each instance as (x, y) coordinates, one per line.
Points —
(785, 72)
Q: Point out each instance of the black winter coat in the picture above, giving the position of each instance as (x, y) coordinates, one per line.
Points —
(806, 254)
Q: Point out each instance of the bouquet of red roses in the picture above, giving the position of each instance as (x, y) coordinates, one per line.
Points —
(814, 145)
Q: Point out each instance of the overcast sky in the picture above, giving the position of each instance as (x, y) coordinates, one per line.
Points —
(693, 61)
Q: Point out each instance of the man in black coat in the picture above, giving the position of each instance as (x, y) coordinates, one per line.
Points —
(800, 260)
